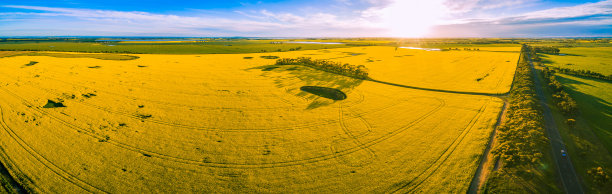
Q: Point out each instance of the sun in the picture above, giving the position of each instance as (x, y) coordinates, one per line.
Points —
(411, 18)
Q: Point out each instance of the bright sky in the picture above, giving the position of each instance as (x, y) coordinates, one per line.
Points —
(307, 18)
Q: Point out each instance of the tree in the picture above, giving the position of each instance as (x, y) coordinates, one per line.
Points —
(571, 123)
(598, 175)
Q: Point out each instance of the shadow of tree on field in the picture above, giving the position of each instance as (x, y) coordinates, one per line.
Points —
(570, 82)
(292, 77)
(544, 59)
(592, 108)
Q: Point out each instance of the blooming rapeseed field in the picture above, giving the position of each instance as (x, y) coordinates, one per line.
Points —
(230, 123)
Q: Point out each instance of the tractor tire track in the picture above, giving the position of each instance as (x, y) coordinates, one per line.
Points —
(239, 165)
(207, 128)
(19, 181)
(434, 165)
(46, 162)
(351, 136)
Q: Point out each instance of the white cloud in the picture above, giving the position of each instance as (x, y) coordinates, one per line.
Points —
(589, 19)
(556, 15)
(602, 7)
(464, 6)
(149, 20)
(379, 18)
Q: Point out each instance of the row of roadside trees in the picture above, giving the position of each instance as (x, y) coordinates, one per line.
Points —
(522, 140)
(522, 136)
(566, 104)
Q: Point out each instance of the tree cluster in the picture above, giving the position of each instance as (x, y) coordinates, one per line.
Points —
(566, 104)
(583, 73)
(599, 175)
(546, 49)
(31, 63)
(359, 72)
(522, 136)
(295, 49)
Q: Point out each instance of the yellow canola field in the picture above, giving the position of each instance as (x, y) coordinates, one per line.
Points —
(169, 41)
(222, 123)
(489, 70)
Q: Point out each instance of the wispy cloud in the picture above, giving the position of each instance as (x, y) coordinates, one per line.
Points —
(160, 21)
(464, 6)
(376, 18)
(599, 8)
(586, 13)
(589, 19)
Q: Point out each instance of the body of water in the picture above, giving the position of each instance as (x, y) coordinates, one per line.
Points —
(144, 40)
(306, 42)
(425, 49)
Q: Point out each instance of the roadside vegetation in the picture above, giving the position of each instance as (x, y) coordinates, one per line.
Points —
(524, 160)
(565, 103)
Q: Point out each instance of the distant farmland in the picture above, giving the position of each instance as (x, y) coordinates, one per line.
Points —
(596, 59)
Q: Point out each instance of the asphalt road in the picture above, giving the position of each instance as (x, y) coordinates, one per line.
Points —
(565, 169)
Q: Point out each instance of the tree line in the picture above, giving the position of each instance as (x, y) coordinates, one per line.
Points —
(566, 104)
(522, 135)
(583, 73)
(359, 71)
(522, 140)
(546, 49)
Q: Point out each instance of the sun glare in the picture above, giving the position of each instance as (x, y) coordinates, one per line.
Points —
(412, 18)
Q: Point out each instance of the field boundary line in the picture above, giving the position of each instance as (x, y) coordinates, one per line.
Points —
(439, 90)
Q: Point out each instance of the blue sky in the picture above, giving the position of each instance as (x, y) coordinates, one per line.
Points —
(307, 18)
